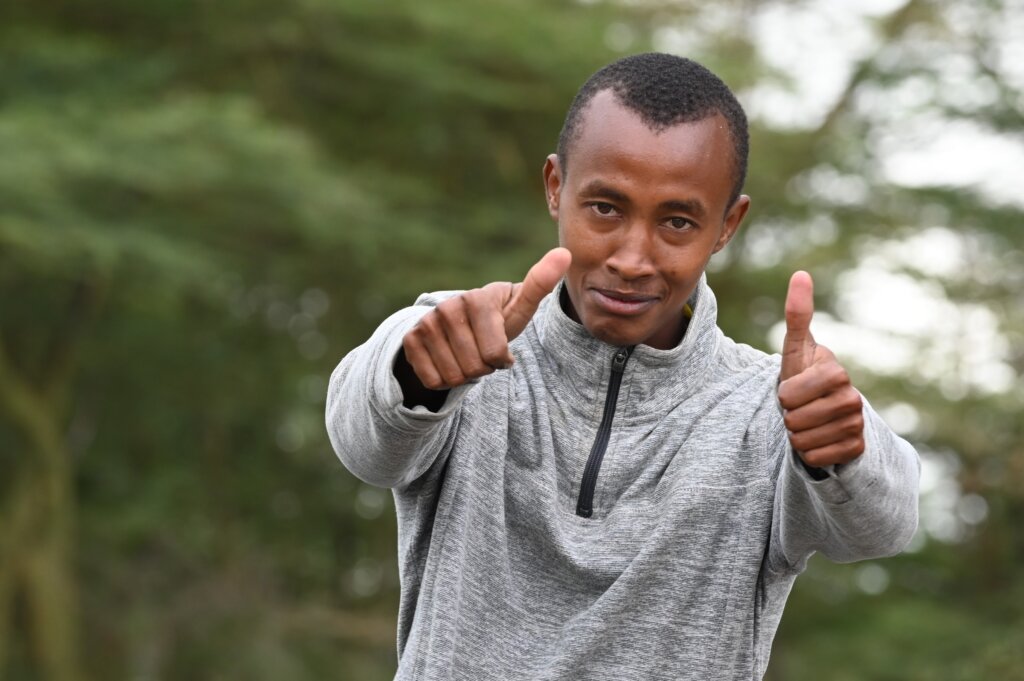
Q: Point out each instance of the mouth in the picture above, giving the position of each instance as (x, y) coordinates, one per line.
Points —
(627, 303)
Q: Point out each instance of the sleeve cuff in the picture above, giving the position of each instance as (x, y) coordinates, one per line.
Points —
(841, 482)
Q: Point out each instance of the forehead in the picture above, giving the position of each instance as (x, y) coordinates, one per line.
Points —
(613, 138)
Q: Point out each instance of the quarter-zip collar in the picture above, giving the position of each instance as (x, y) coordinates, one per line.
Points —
(670, 375)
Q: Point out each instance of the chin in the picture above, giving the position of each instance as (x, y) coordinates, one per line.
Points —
(617, 337)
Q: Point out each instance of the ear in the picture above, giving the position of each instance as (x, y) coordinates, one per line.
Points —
(552, 184)
(732, 221)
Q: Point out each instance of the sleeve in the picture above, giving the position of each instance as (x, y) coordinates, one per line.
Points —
(867, 508)
(378, 439)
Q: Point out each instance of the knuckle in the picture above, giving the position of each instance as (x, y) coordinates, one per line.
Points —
(452, 379)
(815, 459)
(427, 325)
(798, 440)
(491, 297)
(430, 380)
(837, 375)
(475, 298)
(452, 310)
(483, 370)
(449, 369)
(853, 400)
(491, 288)
(493, 356)
(414, 350)
(474, 367)
(846, 457)
(787, 401)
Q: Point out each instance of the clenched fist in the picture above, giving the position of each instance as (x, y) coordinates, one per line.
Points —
(467, 336)
(822, 409)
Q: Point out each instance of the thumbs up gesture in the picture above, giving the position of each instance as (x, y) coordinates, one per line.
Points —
(467, 336)
(822, 409)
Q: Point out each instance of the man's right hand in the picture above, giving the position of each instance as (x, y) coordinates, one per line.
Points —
(467, 336)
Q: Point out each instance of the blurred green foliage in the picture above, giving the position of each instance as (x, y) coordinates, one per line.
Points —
(203, 206)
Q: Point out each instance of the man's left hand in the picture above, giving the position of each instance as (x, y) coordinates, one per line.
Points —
(822, 409)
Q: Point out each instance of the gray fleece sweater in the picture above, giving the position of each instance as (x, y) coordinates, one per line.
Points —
(676, 565)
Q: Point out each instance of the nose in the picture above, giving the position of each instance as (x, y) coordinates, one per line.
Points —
(633, 256)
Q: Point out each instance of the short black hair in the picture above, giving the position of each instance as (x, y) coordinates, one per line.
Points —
(665, 90)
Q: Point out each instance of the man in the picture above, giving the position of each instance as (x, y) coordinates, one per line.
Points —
(591, 480)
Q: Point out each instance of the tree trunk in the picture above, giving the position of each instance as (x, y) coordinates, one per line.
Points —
(37, 535)
(8, 568)
(52, 597)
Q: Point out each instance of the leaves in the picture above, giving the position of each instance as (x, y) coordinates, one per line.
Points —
(254, 185)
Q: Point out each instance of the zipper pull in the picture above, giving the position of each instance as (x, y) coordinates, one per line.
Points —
(619, 360)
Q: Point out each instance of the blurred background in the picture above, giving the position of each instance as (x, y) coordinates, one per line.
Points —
(205, 205)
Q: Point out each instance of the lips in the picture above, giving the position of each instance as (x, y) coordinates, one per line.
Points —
(626, 303)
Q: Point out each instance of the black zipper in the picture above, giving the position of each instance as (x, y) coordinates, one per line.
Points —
(585, 502)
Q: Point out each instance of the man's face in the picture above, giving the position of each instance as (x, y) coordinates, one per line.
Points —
(642, 213)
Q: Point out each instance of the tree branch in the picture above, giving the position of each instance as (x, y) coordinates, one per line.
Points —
(59, 360)
(29, 412)
(894, 26)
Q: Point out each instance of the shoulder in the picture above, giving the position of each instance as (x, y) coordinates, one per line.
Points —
(752, 376)
(733, 357)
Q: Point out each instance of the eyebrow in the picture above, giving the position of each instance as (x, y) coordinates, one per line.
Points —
(597, 188)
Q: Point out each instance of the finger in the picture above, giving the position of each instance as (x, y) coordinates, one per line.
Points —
(798, 346)
(489, 331)
(821, 378)
(418, 358)
(539, 281)
(838, 430)
(430, 331)
(837, 453)
(454, 314)
(823, 410)
(444, 359)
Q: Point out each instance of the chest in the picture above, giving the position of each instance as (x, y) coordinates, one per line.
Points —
(604, 445)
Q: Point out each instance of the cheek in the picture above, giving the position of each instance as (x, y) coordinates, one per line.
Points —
(586, 246)
(682, 273)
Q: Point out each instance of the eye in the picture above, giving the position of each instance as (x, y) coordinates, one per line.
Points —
(603, 209)
(680, 223)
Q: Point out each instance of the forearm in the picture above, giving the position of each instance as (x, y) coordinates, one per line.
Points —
(864, 509)
(374, 432)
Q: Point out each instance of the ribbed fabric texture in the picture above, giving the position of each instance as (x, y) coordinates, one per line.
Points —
(703, 515)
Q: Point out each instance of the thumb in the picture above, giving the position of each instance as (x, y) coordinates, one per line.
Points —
(798, 347)
(526, 296)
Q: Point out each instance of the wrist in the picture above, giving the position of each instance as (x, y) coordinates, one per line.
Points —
(414, 393)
